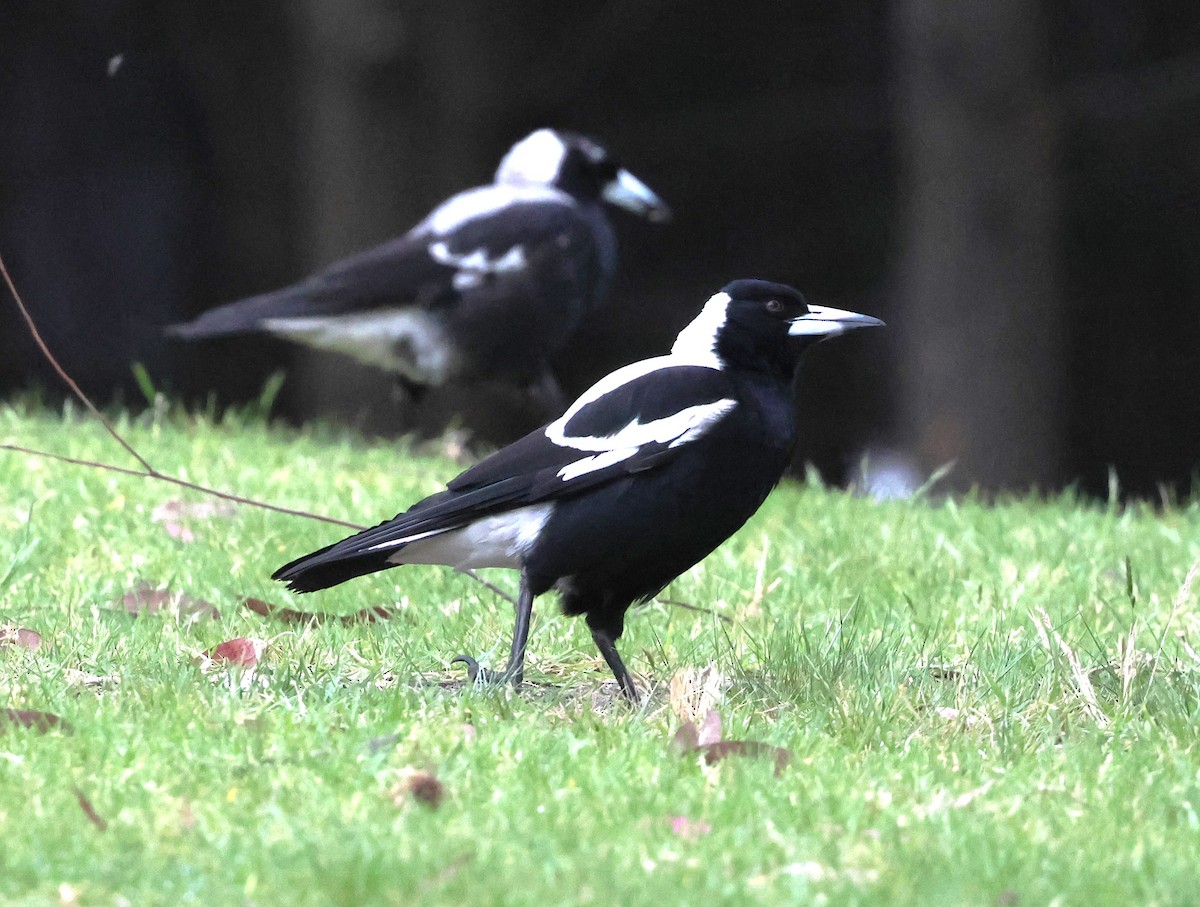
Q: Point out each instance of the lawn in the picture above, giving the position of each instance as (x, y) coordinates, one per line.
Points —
(982, 704)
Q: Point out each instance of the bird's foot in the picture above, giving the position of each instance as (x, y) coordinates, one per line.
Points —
(478, 674)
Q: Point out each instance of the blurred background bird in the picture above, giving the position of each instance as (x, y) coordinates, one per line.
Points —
(490, 285)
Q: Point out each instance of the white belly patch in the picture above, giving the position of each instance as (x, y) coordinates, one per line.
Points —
(407, 341)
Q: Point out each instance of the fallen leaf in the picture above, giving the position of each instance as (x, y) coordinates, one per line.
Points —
(22, 637)
(90, 811)
(292, 616)
(242, 651)
(175, 516)
(145, 598)
(689, 829)
(715, 752)
(690, 737)
(706, 740)
(418, 785)
(35, 721)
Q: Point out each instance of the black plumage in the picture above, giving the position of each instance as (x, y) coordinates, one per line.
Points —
(490, 285)
(638, 480)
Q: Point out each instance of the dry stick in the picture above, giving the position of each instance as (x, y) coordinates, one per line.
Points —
(148, 471)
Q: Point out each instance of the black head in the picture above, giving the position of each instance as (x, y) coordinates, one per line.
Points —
(580, 167)
(762, 326)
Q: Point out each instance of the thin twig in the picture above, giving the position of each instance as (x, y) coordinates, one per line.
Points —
(702, 610)
(149, 472)
(62, 373)
(467, 571)
(182, 483)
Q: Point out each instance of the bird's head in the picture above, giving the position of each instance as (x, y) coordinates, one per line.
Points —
(580, 167)
(760, 325)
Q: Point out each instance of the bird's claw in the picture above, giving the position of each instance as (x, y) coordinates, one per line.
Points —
(477, 674)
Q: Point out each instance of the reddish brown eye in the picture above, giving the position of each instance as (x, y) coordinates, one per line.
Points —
(774, 306)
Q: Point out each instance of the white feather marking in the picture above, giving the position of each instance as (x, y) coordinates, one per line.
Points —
(696, 343)
(407, 540)
(495, 541)
(408, 341)
(535, 160)
(677, 429)
(595, 462)
(474, 267)
(483, 201)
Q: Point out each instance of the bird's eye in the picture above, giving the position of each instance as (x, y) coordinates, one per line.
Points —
(774, 306)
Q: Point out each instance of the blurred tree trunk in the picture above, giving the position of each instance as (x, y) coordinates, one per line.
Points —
(979, 319)
(374, 159)
(351, 147)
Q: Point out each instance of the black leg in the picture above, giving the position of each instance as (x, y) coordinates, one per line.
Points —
(515, 670)
(608, 648)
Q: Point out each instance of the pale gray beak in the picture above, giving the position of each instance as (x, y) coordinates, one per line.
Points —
(628, 192)
(823, 321)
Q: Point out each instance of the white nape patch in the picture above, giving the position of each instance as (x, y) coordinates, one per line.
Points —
(535, 160)
(467, 206)
(495, 541)
(593, 463)
(408, 341)
(696, 343)
(474, 267)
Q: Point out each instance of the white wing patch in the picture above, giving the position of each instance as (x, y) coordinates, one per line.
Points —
(483, 201)
(594, 463)
(680, 428)
(474, 267)
(408, 341)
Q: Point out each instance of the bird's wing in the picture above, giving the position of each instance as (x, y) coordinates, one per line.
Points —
(478, 237)
(638, 418)
(494, 242)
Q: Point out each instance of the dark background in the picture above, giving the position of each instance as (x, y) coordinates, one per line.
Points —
(1013, 186)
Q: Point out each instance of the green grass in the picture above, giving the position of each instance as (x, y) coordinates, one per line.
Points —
(985, 704)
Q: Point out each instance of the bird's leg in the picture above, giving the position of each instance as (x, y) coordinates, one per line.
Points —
(608, 648)
(515, 670)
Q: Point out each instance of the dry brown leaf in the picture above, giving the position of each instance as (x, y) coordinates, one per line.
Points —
(241, 651)
(35, 721)
(22, 637)
(707, 741)
(415, 784)
(145, 598)
(292, 616)
(176, 516)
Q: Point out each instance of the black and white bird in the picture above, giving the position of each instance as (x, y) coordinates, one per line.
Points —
(642, 477)
(490, 285)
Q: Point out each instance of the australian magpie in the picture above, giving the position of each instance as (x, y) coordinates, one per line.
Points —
(490, 285)
(641, 477)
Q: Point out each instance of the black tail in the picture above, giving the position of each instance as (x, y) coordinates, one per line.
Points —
(329, 567)
(245, 316)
